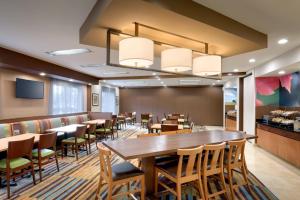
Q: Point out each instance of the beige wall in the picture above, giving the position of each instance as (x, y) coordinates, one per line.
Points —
(12, 107)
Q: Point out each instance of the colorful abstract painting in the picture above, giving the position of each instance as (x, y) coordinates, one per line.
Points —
(278, 91)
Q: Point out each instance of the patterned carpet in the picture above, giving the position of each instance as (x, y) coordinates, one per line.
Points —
(78, 180)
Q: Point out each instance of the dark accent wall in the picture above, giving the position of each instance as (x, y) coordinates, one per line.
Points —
(203, 104)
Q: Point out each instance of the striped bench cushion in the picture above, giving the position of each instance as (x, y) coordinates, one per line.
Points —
(55, 122)
(5, 130)
(32, 126)
(83, 118)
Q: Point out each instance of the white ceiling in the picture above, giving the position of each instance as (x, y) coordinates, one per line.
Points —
(34, 27)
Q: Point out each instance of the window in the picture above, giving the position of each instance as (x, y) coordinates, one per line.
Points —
(108, 99)
(66, 97)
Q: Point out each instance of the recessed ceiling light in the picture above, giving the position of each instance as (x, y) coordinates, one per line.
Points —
(282, 41)
(71, 80)
(235, 70)
(154, 74)
(213, 83)
(42, 74)
(68, 52)
(281, 72)
(229, 74)
(104, 81)
(252, 60)
(147, 66)
(218, 81)
(162, 82)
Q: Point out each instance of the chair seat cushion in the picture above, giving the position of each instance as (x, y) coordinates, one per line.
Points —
(171, 168)
(44, 153)
(145, 120)
(14, 163)
(72, 140)
(103, 130)
(125, 170)
(162, 160)
(91, 136)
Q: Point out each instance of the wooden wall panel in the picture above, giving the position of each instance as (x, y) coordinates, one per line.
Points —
(203, 104)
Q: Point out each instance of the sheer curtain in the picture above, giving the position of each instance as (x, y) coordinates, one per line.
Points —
(108, 99)
(66, 97)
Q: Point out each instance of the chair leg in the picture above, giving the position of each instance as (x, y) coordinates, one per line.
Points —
(98, 188)
(8, 184)
(62, 151)
(205, 189)
(86, 147)
(143, 188)
(57, 166)
(90, 146)
(109, 194)
(40, 170)
(224, 185)
(244, 172)
(229, 171)
(178, 191)
(200, 188)
(32, 173)
(76, 151)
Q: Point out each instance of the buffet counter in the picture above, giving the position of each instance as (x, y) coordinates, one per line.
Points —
(282, 141)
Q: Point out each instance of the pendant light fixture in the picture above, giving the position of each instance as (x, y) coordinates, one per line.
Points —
(136, 52)
(176, 60)
(208, 65)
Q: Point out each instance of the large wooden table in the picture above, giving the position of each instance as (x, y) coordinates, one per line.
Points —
(146, 148)
(4, 141)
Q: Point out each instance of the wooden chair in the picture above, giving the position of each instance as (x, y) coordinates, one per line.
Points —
(18, 161)
(75, 142)
(183, 172)
(145, 117)
(134, 117)
(121, 120)
(118, 174)
(184, 131)
(165, 127)
(235, 159)
(114, 127)
(214, 166)
(46, 151)
(128, 119)
(90, 136)
(172, 117)
(107, 129)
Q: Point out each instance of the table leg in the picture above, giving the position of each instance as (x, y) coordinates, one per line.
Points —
(148, 168)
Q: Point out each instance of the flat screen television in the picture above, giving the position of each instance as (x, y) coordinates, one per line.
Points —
(29, 89)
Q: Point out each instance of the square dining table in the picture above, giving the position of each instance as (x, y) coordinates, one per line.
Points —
(147, 148)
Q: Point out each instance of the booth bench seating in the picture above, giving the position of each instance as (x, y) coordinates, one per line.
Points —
(39, 126)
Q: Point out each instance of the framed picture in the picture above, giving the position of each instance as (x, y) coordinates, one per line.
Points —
(95, 99)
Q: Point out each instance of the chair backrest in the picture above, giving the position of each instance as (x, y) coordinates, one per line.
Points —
(128, 114)
(108, 123)
(105, 162)
(80, 131)
(236, 152)
(20, 148)
(194, 161)
(184, 131)
(169, 127)
(173, 121)
(47, 140)
(147, 135)
(145, 116)
(176, 114)
(215, 164)
(168, 133)
(92, 128)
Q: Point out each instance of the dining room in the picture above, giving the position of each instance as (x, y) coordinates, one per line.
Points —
(149, 100)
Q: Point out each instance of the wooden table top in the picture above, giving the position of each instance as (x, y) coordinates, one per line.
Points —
(65, 129)
(158, 126)
(166, 144)
(96, 121)
(4, 141)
